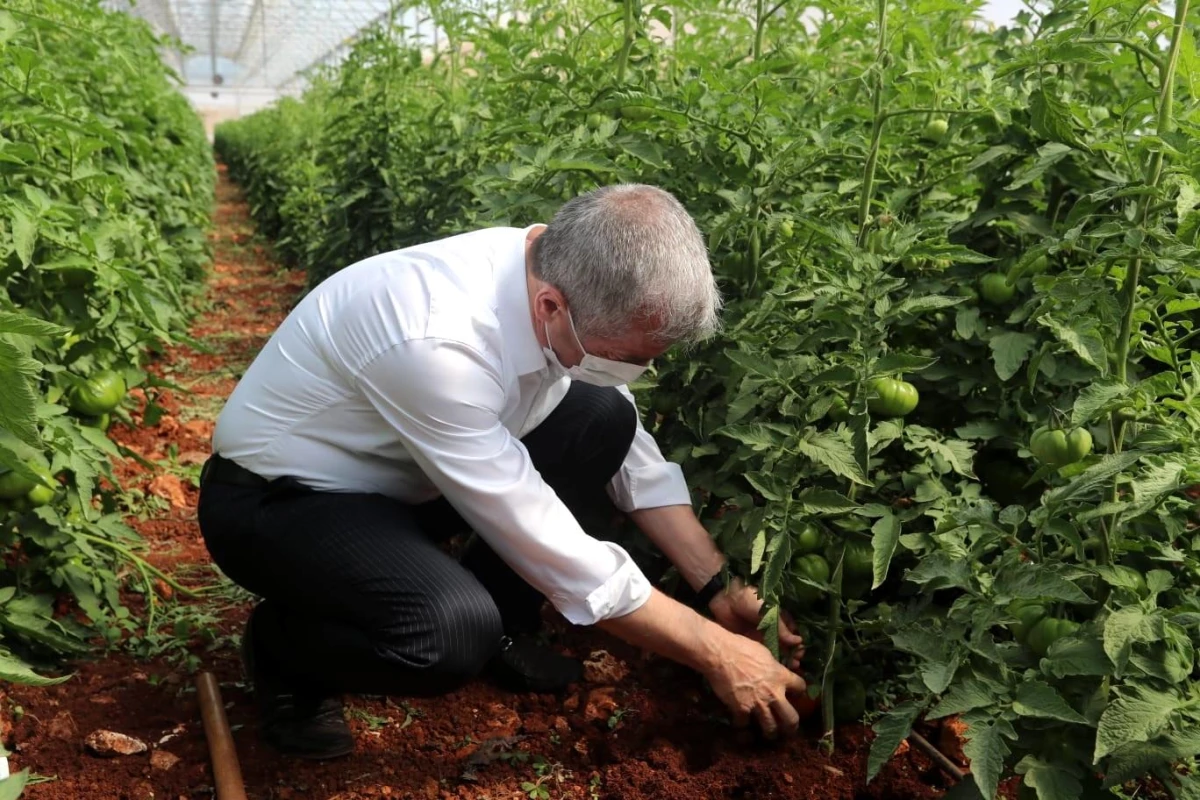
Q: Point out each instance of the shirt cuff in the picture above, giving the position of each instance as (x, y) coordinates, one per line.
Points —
(624, 592)
(651, 486)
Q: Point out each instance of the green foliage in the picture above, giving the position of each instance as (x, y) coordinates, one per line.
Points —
(848, 233)
(105, 190)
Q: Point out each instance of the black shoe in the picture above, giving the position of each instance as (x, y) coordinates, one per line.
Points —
(304, 724)
(523, 665)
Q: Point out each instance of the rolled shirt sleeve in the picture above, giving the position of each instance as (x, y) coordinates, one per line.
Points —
(445, 400)
(646, 479)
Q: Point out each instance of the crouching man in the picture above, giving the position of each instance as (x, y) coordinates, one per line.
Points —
(476, 383)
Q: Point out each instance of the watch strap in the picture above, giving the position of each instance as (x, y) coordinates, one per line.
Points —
(709, 591)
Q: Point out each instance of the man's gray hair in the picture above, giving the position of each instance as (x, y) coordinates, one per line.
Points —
(630, 254)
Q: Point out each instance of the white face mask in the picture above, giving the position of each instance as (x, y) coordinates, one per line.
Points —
(593, 369)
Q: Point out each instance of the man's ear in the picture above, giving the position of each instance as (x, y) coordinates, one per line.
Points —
(547, 302)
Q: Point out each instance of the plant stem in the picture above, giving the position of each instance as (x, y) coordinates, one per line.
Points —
(868, 184)
(141, 563)
(1154, 169)
(627, 45)
(760, 24)
(832, 634)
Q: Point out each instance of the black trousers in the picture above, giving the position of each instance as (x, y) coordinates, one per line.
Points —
(358, 596)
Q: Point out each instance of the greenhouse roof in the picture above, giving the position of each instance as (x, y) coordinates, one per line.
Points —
(259, 43)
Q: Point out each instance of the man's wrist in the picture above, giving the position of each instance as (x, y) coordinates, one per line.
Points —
(709, 591)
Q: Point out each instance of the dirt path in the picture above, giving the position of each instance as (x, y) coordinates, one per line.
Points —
(640, 728)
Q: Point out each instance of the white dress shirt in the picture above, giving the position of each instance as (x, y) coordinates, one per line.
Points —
(414, 374)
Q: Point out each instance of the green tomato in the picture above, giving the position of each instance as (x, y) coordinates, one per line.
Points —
(13, 486)
(809, 539)
(814, 567)
(860, 559)
(1028, 613)
(787, 229)
(40, 495)
(99, 394)
(838, 410)
(935, 130)
(995, 289)
(594, 121)
(1058, 448)
(895, 397)
(849, 699)
(1047, 631)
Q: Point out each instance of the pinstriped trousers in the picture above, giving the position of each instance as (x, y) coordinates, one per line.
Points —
(358, 596)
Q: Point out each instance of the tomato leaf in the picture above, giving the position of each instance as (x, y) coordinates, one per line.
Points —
(825, 501)
(12, 786)
(1076, 656)
(986, 748)
(831, 452)
(967, 695)
(18, 404)
(1031, 581)
(1009, 351)
(1189, 63)
(1040, 699)
(1087, 343)
(1051, 117)
(1123, 628)
(1136, 716)
(1093, 477)
(1136, 758)
(14, 670)
(1093, 398)
(757, 550)
(24, 233)
(27, 325)
(885, 534)
(1050, 781)
(776, 564)
(940, 571)
(893, 363)
(769, 625)
(890, 730)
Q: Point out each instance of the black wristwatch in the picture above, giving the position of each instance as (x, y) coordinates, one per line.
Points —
(709, 591)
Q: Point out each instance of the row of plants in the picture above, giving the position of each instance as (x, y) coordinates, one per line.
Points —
(951, 423)
(106, 182)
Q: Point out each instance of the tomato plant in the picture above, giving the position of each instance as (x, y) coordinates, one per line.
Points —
(106, 183)
(905, 308)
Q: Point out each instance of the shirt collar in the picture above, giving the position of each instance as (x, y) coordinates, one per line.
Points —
(513, 312)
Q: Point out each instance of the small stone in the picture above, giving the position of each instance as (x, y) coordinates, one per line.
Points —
(162, 760)
(788, 779)
(561, 725)
(102, 699)
(111, 743)
(600, 705)
(170, 488)
(431, 789)
(571, 703)
(604, 668)
(62, 727)
(581, 748)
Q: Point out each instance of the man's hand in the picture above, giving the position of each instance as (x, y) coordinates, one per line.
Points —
(738, 609)
(741, 671)
(752, 683)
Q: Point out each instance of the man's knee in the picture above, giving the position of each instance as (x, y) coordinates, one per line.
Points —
(458, 632)
(613, 420)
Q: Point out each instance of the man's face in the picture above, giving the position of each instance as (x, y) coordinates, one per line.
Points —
(635, 347)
